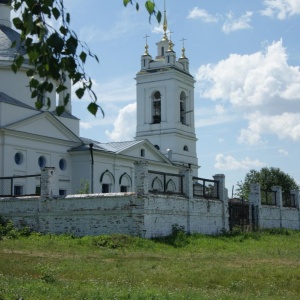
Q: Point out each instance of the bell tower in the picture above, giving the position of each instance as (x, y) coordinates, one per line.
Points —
(165, 102)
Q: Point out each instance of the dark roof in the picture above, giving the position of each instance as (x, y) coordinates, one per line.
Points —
(7, 37)
(65, 114)
(115, 147)
(7, 99)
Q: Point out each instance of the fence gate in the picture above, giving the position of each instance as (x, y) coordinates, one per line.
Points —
(238, 214)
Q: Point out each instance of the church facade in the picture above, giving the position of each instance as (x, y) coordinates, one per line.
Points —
(31, 139)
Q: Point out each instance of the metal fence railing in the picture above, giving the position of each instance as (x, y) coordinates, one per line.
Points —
(288, 200)
(268, 197)
(28, 185)
(160, 182)
(206, 188)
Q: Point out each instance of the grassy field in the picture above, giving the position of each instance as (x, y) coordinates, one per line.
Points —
(263, 265)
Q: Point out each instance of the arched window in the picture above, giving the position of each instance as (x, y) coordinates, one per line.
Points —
(185, 148)
(125, 183)
(183, 108)
(157, 185)
(171, 186)
(107, 180)
(156, 107)
(142, 152)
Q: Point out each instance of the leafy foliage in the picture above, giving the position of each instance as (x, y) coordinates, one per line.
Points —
(266, 177)
(54, 55)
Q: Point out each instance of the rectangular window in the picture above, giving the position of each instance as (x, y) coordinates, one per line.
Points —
(18, 190)
(62, 193)
(37, 190)
(123, 189)
(105, 188)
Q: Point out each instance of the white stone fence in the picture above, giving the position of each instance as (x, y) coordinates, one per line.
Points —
(270, 211)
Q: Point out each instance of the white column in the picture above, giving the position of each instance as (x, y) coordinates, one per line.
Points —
(47, 182)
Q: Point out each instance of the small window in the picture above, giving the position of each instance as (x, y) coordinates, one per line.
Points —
(185, 148)
(162, 51)
(19, 158)
(142, 152)
(37, 190)
(124, 189)
(18, 190)
(62, 192)
(157, 147)
(183, 108)
(42, 161)
(105, 188)
(156, 107)
(62, 164)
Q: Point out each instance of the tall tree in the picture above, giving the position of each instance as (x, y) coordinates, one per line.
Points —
(55, 54)
(266, 177)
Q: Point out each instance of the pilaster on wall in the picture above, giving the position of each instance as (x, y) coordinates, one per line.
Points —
(188, 188)
(254, 205)
(47, 182)
(224, 198)
(141, 178)
(278, 191)
(297, 198)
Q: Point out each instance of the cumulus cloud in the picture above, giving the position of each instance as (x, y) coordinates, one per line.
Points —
(228, 162)
(262, 86)
(283, 152)
(281, 9)
(232, 24)
(203, 15)
(124, 125)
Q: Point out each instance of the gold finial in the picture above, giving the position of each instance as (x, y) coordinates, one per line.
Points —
(146, 46)
(165, 25)
(170, 41)
(183, 49)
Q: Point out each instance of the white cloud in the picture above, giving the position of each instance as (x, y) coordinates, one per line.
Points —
(231, 24)
(281, 9)
(158, 29)
(124, 125)
(203, 15)
(228, 162)
(283, 152)
(261, 82)
(285, 126)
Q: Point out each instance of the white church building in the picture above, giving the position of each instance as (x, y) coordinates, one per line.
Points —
(31, 139)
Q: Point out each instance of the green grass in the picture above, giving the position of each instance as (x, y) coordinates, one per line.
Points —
(260, 265)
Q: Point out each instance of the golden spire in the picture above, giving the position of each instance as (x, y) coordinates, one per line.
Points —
(146, 46)
(170, 41)
(165, 24)
(183, 49)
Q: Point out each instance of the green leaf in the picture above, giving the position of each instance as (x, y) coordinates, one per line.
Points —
(60, 109)
(60, 88)
(83, 56)
(68, 18)
(18, 23)
(137, 6)
(80, 92)
(33, 83)
(63, 30)
(56, 13)
(14, 68)
(30, 72)
(125, 2)
(158, 17)
(150, 7)
(19, 61)
(93, 108)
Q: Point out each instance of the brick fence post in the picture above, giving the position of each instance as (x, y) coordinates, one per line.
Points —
(141, 178)
(297, 202)
(278, 201)
(254, 205)
(48, 182)
(222, 192)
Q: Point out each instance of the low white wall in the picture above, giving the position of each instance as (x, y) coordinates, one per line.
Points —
(124, 213)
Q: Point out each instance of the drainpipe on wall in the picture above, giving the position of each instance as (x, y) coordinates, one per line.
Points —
(92, 168)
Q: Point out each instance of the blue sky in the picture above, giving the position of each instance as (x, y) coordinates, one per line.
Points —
(245, 57)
